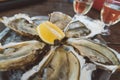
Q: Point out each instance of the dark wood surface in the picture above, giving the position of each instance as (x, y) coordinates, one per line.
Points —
(9, 4)
(66, 7)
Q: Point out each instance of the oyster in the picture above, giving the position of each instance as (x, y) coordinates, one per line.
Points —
(16, 55)
(60, 19)
(62, 63)
(76, 29)
(96, 52)
(21, 23)
(83, 26)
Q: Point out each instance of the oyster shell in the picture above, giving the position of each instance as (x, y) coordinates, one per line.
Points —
(21, 23)
(60, 19)
(62, 63)
(96, 52)
(76, 29)
(83, 26)
(16, 55)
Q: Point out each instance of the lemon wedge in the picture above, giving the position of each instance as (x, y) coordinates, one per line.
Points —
(49, 32)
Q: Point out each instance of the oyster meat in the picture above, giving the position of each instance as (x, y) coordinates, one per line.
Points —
(60, 19)
(76, 29)
(61, 63)
(84, 26)
(21, 23)
(16, 55)
(96, 52)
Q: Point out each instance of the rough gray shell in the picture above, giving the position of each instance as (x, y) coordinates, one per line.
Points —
(16, 55)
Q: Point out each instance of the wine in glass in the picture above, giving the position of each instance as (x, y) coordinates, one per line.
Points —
(82, 6)
(110, 13)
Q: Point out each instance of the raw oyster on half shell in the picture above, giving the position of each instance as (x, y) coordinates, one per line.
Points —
(96, 52)
(60, 19)
(83, 26)
(21, 23)
(61, 63)
(76, 29)
(16, 55)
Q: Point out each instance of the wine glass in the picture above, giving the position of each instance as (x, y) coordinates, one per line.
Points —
(82, 6)
(110, 13)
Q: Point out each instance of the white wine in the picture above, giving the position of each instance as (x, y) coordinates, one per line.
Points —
(110, 13)
(81, 7)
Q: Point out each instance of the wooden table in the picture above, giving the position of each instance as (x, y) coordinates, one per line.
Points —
(64, 6)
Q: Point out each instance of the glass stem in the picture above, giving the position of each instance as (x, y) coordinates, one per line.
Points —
(107, 31)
